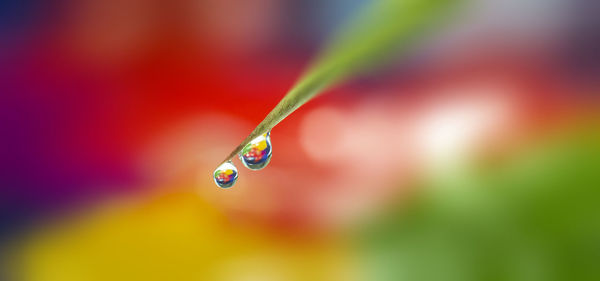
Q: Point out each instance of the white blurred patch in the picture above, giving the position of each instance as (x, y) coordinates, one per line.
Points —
(450, 130)
(324, 135)
(190, 144)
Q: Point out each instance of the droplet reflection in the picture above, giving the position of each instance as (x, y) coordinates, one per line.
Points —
(257, 154)
(225, 175)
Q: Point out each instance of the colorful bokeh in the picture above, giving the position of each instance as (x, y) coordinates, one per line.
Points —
(473, 155)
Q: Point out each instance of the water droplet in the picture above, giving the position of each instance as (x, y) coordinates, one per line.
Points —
(226, 175)
(257, 154)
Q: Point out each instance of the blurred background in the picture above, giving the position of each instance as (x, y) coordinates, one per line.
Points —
(475, 156)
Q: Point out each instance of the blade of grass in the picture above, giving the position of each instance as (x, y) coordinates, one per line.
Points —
(382, 28)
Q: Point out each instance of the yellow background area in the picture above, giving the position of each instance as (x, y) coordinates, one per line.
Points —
(175, 237)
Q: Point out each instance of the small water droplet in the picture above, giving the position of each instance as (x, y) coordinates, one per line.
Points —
(257, 154)
(225, 175)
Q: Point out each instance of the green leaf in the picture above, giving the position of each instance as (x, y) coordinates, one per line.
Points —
(382, 29)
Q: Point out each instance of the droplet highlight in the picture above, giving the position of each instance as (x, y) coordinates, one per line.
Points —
(225, 175)
(257, 154)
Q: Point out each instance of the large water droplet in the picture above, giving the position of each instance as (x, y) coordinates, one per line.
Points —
(226, 175)
(257, 154)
